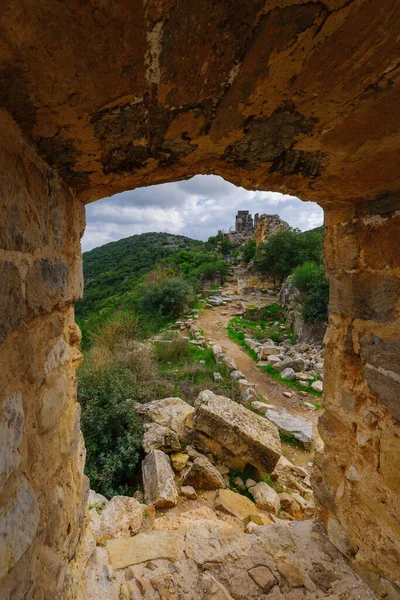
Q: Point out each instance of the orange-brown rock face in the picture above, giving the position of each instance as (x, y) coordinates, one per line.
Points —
(299, 97)
(268, 225)
(100, 97)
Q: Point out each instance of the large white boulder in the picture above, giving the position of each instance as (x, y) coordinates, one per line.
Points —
(158, 480)
(237, 429)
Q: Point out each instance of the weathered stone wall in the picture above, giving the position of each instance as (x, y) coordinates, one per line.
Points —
(358, 479)
(42, 487)
(268, 225)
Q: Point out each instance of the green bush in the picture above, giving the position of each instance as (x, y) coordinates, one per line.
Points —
(111, 428)
(167, 297)
(303, 276)
(249, 251)
(286, 250)
(315, 306)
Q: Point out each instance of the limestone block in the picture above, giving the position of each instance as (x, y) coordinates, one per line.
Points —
(19, 521)
(288, 374)
(53, 399)
(169, 412)
(264, 578)
(299, 428)
(11, 431)
(158, 480)
(158, 437)
(142, 547)
(215, 542)
(340, 539)
(244, 385)
(189, 492)
(297, 364)
(237, 375)
(95, 499)
(252, 344)
(10, 296)
(227, 361)
(247, 395)
(265, 496)
(318, 386)
(242, 432)
(179, 460)
(57, 356)
(267, 350)
(121, 517)
(236, 505)
(202, 475)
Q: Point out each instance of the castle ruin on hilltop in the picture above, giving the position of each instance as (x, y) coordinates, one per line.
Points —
(262, 227)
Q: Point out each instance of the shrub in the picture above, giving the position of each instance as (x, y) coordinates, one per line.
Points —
(315, 306)
(175, 350)
(303, 275)
(285, 250)
(249, 251)
(111, 428)
(167, 298)
(121, 327)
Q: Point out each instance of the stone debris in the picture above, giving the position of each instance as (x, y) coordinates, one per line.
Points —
(179, 461)
(189, 492)
(236, 505)
(158, 480)
(158, 437)
(198, 555)
(293, 426)
(168, 412)
(265, 497)
(238, 430)
(202, 475)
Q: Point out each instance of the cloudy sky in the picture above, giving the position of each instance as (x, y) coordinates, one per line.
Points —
(196, 208)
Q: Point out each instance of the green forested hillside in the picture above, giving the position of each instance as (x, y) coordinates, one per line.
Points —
(115, 268)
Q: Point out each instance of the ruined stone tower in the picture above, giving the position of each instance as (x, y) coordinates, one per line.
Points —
(244, 222)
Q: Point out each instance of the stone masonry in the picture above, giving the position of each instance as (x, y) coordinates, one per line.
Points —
(97, 98)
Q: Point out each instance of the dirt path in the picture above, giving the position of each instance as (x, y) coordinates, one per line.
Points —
(214, 323)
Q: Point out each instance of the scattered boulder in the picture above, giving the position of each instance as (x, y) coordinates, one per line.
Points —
(261, 407)
(264, 578)
(202, 475)
(267, 350)
(236, 375)
(144, 547)
(252, 344)
(179, 461)
(121, 517)
(158, 480)
(248, 394)
(288, 374)
(236, 505)
(293, 426)
(96, 500)
(169, 412)
(292, 506)
(297, 364)
(274, 359)
(189, 492)
(318, 386)
(239, 430)
(265, 496)
(227, 361)
(158, 437)
(244, 385)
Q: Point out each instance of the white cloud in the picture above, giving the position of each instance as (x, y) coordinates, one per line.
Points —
(196, 208)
